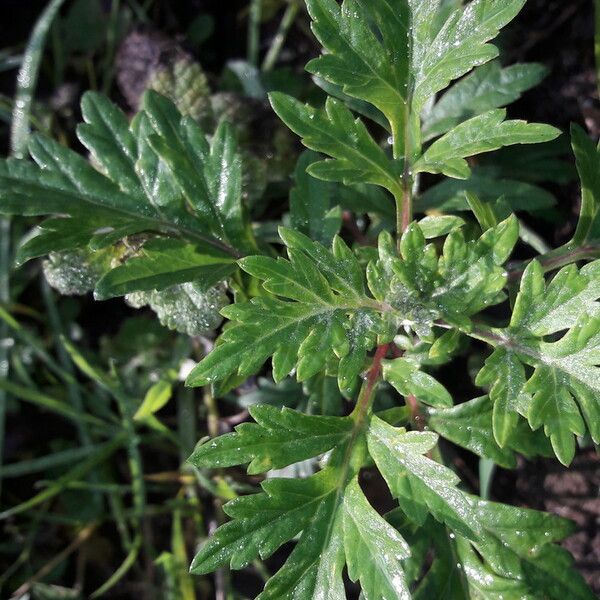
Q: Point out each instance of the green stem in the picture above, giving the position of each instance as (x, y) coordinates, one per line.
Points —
(27, 79)
(284, 27)
(254, 32)
(186, 423)
(75, 398)
(138, 488)
(407, 199)
(213, 412)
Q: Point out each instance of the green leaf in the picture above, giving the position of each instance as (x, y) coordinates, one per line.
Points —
(544, 309)
(470, 426)
(155, 399)
(314, 568)
(422, 485)
(356, 157)
(409, 379)
(439, 226)
(263, 522)
(215, 192)
(368, 65)
(517, 543)
(163, 262)
(192, 191)
(106, 134)
(336, 524)
(320, 303)
(514, 558)
(423, 287)
(505, 374)
(311, 210)
(278, 439)
(460, 45)
(565, 385)
(484, 133)
(56, 235)
(374, 549)
(487, 87)
(489, 186)
(587, 156)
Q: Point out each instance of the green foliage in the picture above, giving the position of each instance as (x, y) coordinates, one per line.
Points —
(562, 393)
(348, 320)
(587, 157)
(146, 181)
(487, 87)
(277, 440)
(484, 133)
(317, 310)
(356, 157)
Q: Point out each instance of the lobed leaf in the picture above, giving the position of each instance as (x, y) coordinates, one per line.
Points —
(366, 65)
(278, 439)
(422, 485)
(321, 311)
(460, 45)
(164, 262)
(562, 394)
(356, 157)
(156, 175)
(484, 133)
(487, 87)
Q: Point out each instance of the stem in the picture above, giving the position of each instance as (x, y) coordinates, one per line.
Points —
(407, 200)
(254, 32)
(111, 46)
(277, 44)
(556, 259)
(403, 146)
(27, 79)
(365, 398)
(213, 412)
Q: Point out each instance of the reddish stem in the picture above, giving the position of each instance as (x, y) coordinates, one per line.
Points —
(364, 400)
(415, 412)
